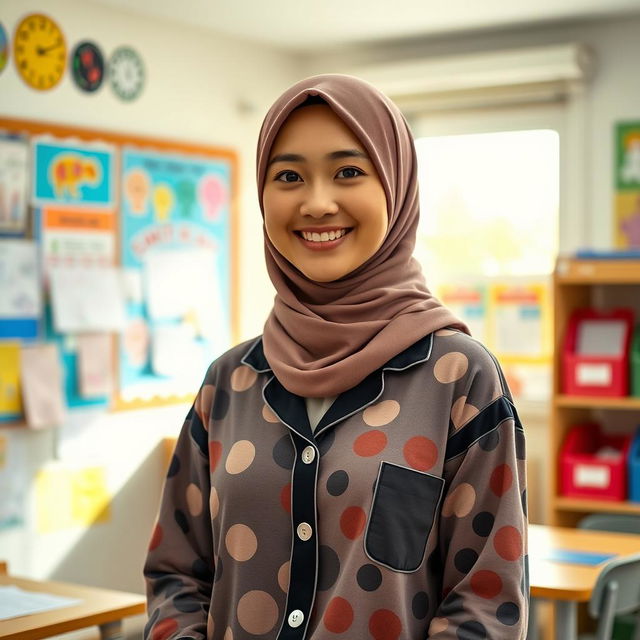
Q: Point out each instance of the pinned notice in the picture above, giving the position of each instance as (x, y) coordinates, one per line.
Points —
(41, 380)
(95, 365)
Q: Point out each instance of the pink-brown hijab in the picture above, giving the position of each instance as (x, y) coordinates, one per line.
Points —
(322, 338)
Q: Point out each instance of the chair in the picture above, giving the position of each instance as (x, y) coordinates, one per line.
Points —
(617, 590)
(619, 522)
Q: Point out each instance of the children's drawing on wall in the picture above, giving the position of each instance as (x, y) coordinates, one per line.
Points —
(73, 173)
(14, 160)
(627, 196)
(175, 228)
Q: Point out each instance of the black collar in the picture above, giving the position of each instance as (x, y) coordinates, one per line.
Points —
(291, 409)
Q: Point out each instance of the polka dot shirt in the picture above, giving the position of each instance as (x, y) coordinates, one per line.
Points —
(401, 516)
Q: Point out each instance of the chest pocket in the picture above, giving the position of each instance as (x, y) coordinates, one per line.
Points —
(405, 504)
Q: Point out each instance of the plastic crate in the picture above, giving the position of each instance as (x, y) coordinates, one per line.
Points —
(605, 374)
(634, 468)
(583, 474)
(634, 363)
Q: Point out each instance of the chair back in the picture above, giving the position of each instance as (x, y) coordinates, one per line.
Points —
(619, 522)
(617, 591)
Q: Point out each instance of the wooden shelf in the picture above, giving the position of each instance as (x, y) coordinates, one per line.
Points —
(589, 402)
(585, 505)
(593, 272)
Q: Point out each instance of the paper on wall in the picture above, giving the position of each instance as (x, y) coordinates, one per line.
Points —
(95, 364)
(19, 281)
(184, 283)
(10, 400)
(42, 389)
(175, 353)
(14, 173)
(14, 479)
(87, 299)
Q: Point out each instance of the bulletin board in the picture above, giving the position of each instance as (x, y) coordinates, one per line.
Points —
(164, 213)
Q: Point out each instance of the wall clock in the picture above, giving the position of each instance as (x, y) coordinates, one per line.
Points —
(39, 51)
(126, 73)
(4, 47)
(87, 66)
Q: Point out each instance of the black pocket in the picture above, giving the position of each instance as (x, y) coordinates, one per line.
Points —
(404, 508)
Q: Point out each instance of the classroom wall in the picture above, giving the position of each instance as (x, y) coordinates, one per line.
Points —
(203, 88)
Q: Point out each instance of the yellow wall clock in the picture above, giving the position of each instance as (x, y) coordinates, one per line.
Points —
(39, 51)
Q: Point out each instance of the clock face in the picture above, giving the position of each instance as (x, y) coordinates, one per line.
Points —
(87, 65)
(39, 51)
(4, 47)
(126, 73)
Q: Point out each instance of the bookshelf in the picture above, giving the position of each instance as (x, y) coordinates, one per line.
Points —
(603, 284)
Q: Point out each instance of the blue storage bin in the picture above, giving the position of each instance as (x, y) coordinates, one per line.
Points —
(634, 468)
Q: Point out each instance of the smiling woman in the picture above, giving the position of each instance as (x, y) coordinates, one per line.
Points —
(324, 205)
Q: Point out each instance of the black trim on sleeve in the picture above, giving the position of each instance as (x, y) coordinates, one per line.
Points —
(487, 420)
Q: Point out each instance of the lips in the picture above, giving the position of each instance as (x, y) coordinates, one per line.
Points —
(321, 239)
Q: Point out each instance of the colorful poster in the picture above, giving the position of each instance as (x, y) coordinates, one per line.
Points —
(175, 220)
(627, 186)
(14, 176)
(73, 174)
(10, 396)
(467, 302)
(76, 238)
(21, 300)
(520, 327)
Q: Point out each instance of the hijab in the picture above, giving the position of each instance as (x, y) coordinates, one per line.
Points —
(323, 338)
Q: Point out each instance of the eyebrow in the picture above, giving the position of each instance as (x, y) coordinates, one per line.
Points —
(334, 155)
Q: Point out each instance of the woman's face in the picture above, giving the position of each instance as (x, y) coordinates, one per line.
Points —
(325, 209)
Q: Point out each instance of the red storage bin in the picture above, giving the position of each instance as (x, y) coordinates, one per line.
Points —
(584, 474)
(593, 373)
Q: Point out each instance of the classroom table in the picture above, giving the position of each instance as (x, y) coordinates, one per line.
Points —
(564, 583)
(101, 607)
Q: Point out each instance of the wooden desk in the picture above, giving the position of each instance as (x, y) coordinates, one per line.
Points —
(568, 584)
(100, 607)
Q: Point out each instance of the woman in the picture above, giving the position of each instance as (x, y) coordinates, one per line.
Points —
(358, 470)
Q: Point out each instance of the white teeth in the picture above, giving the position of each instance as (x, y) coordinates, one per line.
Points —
(324, 236)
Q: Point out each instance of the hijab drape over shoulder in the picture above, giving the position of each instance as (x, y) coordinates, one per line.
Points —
(322, 338)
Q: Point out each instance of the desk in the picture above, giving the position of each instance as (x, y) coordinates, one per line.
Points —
(100, 607)
(568, 584)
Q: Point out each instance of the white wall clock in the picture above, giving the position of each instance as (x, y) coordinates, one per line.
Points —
(126, 73)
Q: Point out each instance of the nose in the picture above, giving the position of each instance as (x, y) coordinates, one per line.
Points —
(319, 200)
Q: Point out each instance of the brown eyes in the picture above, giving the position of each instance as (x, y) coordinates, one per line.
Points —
(292, 176)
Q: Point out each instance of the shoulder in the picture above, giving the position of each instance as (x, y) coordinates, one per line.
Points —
(459, 359)
(224, 365)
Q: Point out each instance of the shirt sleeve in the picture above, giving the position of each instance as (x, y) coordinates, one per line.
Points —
(483, 530)
(179, 568)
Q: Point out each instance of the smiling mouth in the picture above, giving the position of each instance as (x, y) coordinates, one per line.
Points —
(324, 236)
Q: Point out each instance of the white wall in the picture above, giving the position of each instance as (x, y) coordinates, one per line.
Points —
(195, 82)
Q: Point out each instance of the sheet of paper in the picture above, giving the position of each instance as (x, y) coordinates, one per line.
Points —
(10, 398)
(20, 291)
(19, 279)
(15, 602)
(95, 364)
(87, 299)
(41, 381)
(184, 283)
(175, 353)
(14, 174)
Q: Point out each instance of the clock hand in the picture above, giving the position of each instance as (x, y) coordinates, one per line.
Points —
(43, 50)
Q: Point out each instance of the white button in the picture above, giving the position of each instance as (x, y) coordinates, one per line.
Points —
(295, 618)
(304, 531)
(308, 455)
